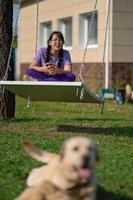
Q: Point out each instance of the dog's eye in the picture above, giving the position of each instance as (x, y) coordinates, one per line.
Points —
(75, 148)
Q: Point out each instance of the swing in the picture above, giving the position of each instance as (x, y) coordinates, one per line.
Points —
(52, 91)
(76, 92)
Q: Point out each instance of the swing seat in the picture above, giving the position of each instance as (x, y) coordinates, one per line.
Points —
(52, 91)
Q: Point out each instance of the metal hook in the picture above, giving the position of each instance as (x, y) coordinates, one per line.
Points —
(28, 102)
(82, 94)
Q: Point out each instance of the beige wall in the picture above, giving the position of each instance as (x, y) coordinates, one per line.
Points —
(122, 31)
(53, 10)
(120, 28)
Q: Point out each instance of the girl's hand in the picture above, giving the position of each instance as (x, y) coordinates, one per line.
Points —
(57, 70)
(52, 69)
(49, 68)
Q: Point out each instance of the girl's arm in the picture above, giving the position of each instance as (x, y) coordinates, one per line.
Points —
(45, 69)
(67, 68)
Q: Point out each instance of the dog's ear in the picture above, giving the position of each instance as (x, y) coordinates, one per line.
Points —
(38, 154)
(27, 145)
(31, 149)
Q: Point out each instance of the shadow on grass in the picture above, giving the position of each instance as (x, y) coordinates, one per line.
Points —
(102, 119)
(80, 119)
(103, 194)
(26, 119)
(118, 131)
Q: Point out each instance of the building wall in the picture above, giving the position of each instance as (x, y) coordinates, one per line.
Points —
(122, 31)
(120, 41)
(50, 10)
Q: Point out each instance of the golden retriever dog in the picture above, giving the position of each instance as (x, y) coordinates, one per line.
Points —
(68, 176)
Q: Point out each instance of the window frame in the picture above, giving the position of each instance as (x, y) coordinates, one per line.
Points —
(84, 28)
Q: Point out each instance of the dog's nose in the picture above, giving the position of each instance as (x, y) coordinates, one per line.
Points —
(86, 160)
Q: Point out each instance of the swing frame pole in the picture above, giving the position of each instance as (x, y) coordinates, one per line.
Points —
(106, 45)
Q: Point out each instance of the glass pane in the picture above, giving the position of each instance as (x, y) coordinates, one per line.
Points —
(92, 35)
(65, 26)
(68, 33)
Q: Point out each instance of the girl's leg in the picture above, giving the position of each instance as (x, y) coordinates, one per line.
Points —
(65, 77)
(39, 76)
(35, 74)
(43, 77)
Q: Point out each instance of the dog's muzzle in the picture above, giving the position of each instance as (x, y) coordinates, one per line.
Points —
(84, 171)
(86, 161)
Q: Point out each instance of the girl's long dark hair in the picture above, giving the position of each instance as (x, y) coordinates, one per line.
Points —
(47, 58)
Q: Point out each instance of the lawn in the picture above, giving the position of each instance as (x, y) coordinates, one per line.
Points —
(47, 125)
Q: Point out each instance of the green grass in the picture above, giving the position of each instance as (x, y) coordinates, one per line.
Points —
(48, 124)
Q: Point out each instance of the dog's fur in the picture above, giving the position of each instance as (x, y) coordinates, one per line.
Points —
(68, 176)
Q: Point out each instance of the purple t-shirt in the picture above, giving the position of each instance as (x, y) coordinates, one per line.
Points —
(41, 55)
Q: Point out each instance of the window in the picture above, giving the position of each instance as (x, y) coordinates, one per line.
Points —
(65, 26)
(44, 33)
(84, 33)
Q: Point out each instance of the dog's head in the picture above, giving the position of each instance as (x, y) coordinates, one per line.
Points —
(80, 153)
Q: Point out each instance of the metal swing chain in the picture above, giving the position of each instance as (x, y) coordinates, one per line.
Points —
(80, 75)
(36, 42)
